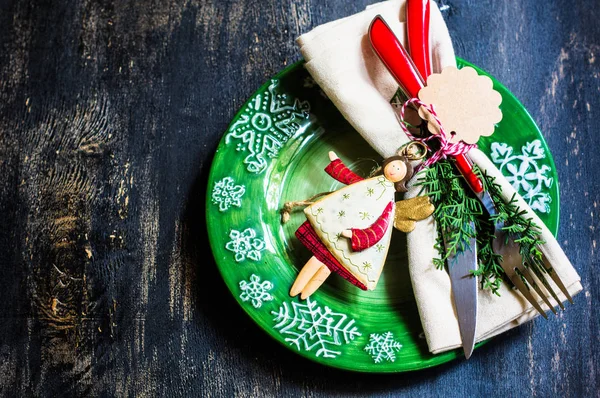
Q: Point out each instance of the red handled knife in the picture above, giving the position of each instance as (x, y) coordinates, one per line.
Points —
(409, 73)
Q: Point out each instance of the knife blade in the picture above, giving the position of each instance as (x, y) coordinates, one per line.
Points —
(464, 291)
(399, 63)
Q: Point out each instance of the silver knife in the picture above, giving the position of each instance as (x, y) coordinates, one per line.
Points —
(400, 65)
(464, 291)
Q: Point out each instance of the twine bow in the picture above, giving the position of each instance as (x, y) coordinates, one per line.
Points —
(446, 148)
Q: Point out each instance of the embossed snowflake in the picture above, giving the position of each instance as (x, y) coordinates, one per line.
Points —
(525, 172)
(245, 244)
(265, 124)
(256, 291)
(226, 194)
(383, 347)
(309, 326)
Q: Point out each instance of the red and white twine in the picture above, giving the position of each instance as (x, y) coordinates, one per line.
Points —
(447, 148)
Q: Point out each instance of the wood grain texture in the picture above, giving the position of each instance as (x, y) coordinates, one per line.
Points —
(110, 112)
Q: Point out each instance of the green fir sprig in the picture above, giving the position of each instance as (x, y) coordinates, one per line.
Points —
(457, 210)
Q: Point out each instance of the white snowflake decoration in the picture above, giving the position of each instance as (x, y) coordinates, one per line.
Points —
(309, 326)
(227, 194)
(245, 244)
(383, 347)
(266, 123)
(256, 291)
(524, 173)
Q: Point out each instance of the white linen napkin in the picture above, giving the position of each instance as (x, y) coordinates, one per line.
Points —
(339, 57)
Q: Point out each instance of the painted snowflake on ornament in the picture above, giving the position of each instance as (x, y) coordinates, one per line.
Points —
(267, 122)
(383, 347)
(245, 245)
(309, 326)
(256, 291)
(526, 174)
(226, 194)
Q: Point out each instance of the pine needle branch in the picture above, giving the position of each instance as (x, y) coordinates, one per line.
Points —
(456, 207)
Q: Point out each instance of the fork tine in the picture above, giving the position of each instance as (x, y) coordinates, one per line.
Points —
(557, 280)
(524, 289)
(539, 272)
(532, 280)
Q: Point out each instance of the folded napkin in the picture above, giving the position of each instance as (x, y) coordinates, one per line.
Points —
(339, 57)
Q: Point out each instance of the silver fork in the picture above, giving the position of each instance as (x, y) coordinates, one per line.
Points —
(524, 278)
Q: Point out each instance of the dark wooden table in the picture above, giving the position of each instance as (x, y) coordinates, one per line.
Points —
(110, 113)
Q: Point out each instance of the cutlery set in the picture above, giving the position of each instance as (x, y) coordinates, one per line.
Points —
(527, 274)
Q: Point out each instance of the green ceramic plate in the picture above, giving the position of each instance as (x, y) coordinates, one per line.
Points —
(274, 151)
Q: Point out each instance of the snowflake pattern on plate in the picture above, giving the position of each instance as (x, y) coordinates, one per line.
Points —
(245, 244)
(226, 194)
(266, 123)
(383, 347)
(307, 325)
(529, 178)
(256, 291)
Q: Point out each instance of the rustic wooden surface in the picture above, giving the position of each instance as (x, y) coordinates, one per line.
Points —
(110, 112)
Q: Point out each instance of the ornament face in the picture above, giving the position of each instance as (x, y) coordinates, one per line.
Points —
(395, 171)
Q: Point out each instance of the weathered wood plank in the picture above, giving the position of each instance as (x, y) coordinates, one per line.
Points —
(109, 114)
